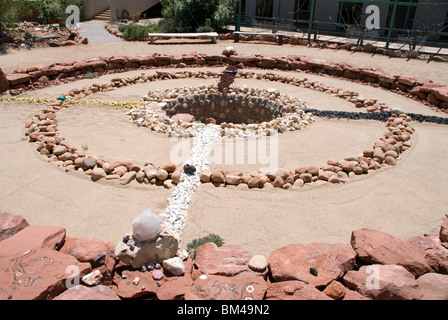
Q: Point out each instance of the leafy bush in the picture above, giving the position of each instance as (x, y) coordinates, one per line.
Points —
(192, 246)
(135, 32)
(190, 15)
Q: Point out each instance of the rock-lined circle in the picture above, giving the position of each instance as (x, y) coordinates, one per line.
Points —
(43, 130)
(240, 111)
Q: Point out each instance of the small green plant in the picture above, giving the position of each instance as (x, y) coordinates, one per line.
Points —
(196, 243)
(136, 32)
(85, 147)
(91, 75)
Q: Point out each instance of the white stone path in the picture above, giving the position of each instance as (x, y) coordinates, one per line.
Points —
(175, 215)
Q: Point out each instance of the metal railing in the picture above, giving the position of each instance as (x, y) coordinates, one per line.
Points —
(389, 33)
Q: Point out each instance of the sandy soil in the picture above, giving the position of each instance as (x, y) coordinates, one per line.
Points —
(405, 200)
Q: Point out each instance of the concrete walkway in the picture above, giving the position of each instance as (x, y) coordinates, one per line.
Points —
(95, 32)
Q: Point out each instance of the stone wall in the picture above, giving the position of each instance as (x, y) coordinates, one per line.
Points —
(42, 263)
(421, 89)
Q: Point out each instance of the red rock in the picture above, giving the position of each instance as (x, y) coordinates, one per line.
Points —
(354, 295)
(386, 78)
(169, 167)
(126, 288)
(81, 292)
(68, 43)
(11, 224)
(391, 161)
(232, 180)
(174, 288)
(383, 282)
(38, 274)
(33, 237)
(306, 177)
(440, 93)
(227, 260)
(436, 255)
(127, 177)
(335, 290)
(313, 170)
(294, 262)
(217, 177)
(17, 78)
(433, 286)
(327, 175)
(380, 247)
(309, 292)
(346, 165)
(283, 290)
(278, 182)
(443, 233)
(253, 182)
(243, 286)
(91, 250)
(4, 83)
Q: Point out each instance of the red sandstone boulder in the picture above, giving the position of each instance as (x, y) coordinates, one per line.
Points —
(433, 286)
(335, 290)
(435, 254)
(11, 224)
(174, 288)
(380, 247)
(243, 286)
(384, 282)
(317, 264)
(4, 83)
(309, 292)
(443, 233)
(17, 78)
(129, 287)
(227, 260)
(91, 250)
(283, 290)
(440, 93)
(80, 292)
(33, 237)
(38, 274)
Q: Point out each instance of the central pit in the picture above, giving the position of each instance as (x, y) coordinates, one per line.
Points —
(240, 111)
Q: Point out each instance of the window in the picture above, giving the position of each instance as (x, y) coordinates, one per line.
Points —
(301, 9)
(265, 8)
(350, 12)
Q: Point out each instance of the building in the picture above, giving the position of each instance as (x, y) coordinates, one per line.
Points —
(119, 9)
(334, 16)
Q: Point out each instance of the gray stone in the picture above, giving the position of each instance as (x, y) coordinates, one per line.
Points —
(88, 163)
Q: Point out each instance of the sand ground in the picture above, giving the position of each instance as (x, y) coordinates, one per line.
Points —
(405, 200)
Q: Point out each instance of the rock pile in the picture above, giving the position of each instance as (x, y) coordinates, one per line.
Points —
(41, 263)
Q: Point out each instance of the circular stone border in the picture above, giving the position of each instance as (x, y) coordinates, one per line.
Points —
(266, 110)
(42, 129)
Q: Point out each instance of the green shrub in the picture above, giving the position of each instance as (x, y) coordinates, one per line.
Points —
(192, 246)
(135, 32)
(190, 15)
